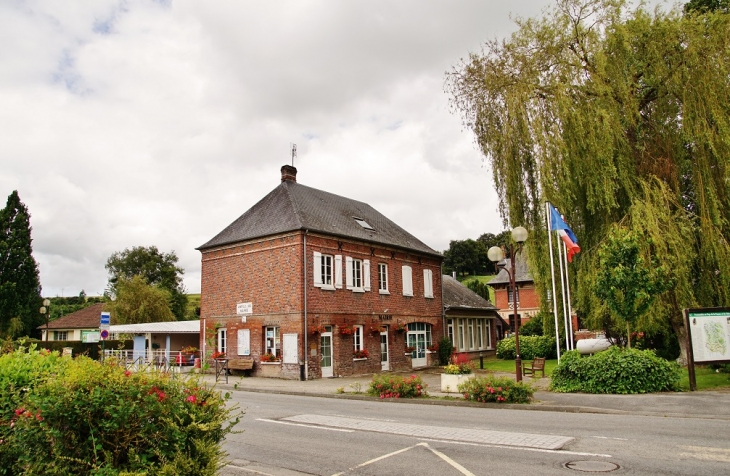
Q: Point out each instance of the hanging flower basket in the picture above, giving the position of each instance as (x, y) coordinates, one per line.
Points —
(400, 327)
(317, 330)
(347, 330)
(377, 329)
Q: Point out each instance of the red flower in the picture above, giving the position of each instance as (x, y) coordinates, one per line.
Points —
(127, 373)
(191, 399)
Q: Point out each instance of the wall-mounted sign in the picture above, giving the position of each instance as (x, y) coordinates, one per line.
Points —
(244, 308)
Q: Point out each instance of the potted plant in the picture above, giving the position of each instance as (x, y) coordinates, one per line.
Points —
(400, 327)
(269, 357)
(459, 370)
(361, 354)
(433, 348)
(318, 330)
(347, 330)
(409, 349)
(218, 355)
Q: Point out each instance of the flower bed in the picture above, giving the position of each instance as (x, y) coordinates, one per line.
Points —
(395, 386)
(496, 390)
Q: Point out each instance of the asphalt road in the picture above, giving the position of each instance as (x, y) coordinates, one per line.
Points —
(288, 434)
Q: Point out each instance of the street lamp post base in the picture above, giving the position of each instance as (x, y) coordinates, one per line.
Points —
(518, 369)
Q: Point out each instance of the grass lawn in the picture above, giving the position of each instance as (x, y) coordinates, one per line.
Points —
(707, 378)
(482, 279)
(193, 302)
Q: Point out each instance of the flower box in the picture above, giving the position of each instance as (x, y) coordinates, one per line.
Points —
(450, 382)
(347, 330)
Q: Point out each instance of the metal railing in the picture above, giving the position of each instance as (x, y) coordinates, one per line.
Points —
(151, 359)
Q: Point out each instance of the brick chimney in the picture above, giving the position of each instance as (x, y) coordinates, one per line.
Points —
(288, 173)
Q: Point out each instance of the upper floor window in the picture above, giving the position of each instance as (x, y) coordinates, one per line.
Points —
(325, 271)
(383, 278)
(428, 283)
(509, 295)
(357, 274)
(407, 281)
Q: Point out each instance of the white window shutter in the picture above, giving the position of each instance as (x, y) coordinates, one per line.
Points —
(348, 272)
(366, 273)
(407, 281)
(338, 271)
(317, 269)
(244, 342)
(427, 283)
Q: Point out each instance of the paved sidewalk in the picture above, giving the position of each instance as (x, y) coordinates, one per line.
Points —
(704, 404)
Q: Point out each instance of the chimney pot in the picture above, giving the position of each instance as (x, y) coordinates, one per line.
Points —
(288, 172)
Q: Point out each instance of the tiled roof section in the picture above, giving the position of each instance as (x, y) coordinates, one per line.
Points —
(87, 318)
(522, 272)
(172, 327)
(292, 206)
(458, 296)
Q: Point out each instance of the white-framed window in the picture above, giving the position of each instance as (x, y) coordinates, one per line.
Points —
(323, 270)
(383, 278)
(61, 335)
(480, 333)
(407, 280)
(244, 342)
(357, 274)
(222, 338)
(471, 333)
(509, 295)
(427, 283)
(272, 340)
(358, 337)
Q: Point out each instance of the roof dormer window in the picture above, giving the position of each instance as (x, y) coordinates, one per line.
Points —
(363, 224)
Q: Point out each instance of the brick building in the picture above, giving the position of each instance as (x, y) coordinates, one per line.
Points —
(472, 322)
(310, 284)
(528, 300)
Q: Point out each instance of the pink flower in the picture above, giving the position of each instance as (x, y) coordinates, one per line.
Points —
(499, 389)
(191, 399)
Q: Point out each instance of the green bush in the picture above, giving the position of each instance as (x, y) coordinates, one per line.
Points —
(530, 347)
(615, 370)
(396, 386)
(533, 327)
(84, 417)
(497, 390)
(446, 348)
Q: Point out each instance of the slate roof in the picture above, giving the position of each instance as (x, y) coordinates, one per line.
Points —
(522, 272)
(458, 296)
(292, 206)
(87, 318)
(172, 327)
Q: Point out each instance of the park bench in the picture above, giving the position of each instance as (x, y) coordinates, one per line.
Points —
(531, 368)
(240, 364)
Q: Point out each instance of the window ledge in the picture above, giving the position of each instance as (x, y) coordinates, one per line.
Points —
(428, 297)
(358, 290)
(383, 291)
(327, 288)
(361, 358)
(270, 363)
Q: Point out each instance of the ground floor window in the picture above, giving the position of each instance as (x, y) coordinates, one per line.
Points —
(272, 344)
(474, 333)
(61, 335)
(222, 340)
(358, 339)
(421, 328)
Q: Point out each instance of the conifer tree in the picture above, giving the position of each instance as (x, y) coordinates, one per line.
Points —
(20, 290)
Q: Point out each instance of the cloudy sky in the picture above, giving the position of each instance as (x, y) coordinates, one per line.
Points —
(138, 123)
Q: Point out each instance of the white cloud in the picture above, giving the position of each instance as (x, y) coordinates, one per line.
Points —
(158, 123)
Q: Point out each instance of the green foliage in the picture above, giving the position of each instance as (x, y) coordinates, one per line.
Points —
(625, 281)
(533, 327)
(137, 302)
(616, 370)
(496, 390)
(638, 102)
(20, 286)
(446, 348)
(481, 289)
(705, 6)
(62, 306)
(396, 386)
(530, 347)
(78, 416)
(465, 256)
(157, 268)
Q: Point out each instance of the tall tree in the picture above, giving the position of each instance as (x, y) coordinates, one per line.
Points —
(618, 116)
(20, 289)
(157, 268)
(138, 302)
(465, 256)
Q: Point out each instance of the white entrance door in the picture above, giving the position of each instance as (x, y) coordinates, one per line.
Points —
(384, 354)
(417, 340)
(325, 350)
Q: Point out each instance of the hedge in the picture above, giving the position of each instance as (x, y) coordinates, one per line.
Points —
(530, 347)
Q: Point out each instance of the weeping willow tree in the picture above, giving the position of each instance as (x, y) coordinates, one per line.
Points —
(620, 117)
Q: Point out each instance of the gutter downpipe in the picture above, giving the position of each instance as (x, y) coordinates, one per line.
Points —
(443, 308)
(305, 373)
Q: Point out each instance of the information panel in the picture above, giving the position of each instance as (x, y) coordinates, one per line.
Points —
(710, 331)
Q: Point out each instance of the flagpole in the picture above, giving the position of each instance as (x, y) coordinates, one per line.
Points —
(570, 309)
(552, 276)
(562, 291)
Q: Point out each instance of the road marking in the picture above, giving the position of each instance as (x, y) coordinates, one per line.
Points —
(519, 448)
(450, 461)
(501, 438)
(707, 453)
(610, 438)
(306, 426)
(248, 470)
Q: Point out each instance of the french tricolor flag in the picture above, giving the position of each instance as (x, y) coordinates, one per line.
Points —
(566, 234)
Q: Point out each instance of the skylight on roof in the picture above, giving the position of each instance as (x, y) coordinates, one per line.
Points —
(363, 223)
